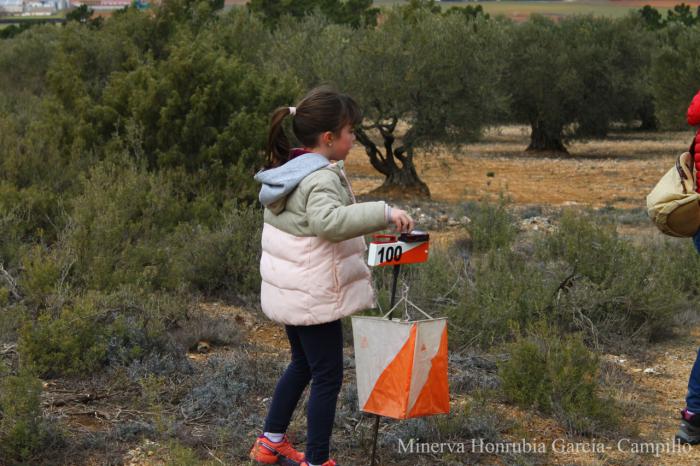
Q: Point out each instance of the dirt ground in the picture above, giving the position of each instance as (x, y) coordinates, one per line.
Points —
(617, 172)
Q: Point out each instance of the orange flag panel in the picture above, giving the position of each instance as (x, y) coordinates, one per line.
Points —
(434, 397)
(396, 379)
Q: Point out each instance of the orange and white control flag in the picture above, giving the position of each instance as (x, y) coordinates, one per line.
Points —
(401, 366)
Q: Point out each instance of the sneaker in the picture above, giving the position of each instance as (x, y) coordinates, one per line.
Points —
(690, 428)
(327, 463)
(268, 452)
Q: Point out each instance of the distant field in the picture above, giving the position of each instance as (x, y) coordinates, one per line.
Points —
(61, 14)
(523, 9)
(602, 8)
(16, 20)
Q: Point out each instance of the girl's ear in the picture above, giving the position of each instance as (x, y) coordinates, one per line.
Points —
(326, 138)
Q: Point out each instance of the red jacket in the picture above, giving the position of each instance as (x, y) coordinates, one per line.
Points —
(694, 120)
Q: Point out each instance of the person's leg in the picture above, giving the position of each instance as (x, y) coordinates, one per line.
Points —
(692, 399)
(696, 241)
(689, 431)
(289, 387)
(323, 346)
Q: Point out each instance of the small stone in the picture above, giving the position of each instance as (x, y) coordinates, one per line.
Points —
(203, 346)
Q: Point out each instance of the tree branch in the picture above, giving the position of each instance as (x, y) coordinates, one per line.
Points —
(399, 154)
(375, 156)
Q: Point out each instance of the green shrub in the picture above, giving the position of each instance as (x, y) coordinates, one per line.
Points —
(4, 296)
(74, 342)
(11, 318)
(120, 220)
(24, 431)
(590, 246)
(639, 302)
(140, 322)
(617, 290)
(679, 261)
(26, 215)
(505, 289)
(45, 273)
(95, 329)
(226, 258)
(492, 226)
(558, 375)
(134, 228)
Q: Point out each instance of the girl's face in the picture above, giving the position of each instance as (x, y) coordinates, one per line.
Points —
(343, 143)
(336, 146)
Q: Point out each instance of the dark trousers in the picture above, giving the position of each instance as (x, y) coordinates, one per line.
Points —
(317, 356)
(692, 398)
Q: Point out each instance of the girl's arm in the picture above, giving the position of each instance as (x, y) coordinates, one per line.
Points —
(330, 219)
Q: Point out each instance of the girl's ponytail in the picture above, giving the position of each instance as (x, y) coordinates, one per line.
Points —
(278, 147)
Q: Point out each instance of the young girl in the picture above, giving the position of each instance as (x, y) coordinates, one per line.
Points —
(690, 416)
(313, 266)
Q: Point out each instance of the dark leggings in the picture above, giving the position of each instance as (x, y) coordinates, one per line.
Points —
(317, 354)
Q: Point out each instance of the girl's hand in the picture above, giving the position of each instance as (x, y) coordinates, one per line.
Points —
(403, 222)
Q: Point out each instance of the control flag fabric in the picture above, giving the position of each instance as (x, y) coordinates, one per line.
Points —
(401, 366)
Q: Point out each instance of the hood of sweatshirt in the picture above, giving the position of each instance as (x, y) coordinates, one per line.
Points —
(279, 182)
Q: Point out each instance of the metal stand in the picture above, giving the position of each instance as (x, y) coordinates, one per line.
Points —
(397, 269)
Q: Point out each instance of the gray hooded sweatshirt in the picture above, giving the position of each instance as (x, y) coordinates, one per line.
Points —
(278, 182)
(309, 196)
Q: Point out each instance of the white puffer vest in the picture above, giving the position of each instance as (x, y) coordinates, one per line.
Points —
(309, 280)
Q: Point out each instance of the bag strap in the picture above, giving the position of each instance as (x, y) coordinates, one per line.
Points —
(686, 172)
(693, 172)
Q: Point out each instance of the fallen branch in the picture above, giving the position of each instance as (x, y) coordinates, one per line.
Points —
(10, 281)
(96, 414)
(213, 456)
(86, 398)
(9, 348)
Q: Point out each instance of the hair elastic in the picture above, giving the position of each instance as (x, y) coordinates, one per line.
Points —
(292, 111)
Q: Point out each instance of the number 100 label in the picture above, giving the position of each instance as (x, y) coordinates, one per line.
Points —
(397, 253)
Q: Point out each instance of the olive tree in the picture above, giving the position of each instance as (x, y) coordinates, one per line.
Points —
(351, 12)
(675, 75)
(573, 78)
(424, 80)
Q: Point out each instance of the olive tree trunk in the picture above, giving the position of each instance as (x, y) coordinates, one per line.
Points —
(543, 138)
(396, 164)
